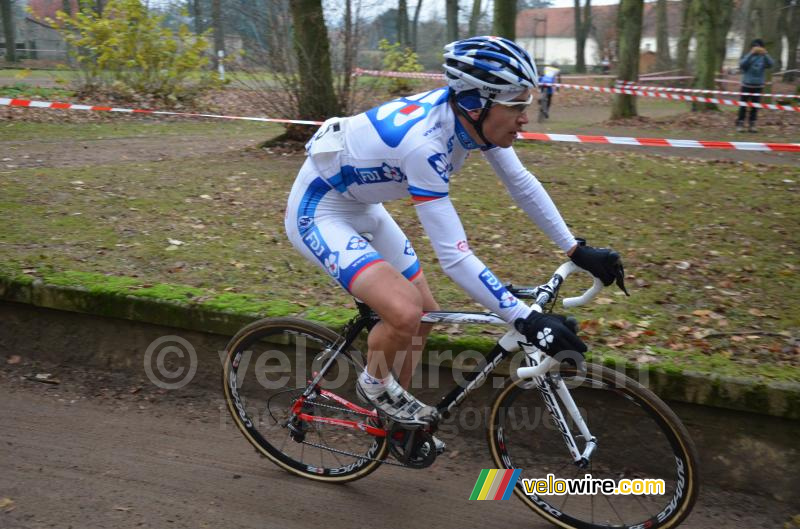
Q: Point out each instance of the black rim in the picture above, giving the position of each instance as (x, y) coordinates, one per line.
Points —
(676, 506)
(278, 406)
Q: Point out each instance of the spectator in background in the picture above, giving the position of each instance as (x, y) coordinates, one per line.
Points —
(753, 66)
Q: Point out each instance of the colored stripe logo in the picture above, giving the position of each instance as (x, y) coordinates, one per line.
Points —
(494, 484)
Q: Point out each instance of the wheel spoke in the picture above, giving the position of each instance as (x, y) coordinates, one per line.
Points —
(637, 438)
(300, 344)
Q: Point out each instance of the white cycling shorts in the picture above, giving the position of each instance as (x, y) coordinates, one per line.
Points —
(342, 236)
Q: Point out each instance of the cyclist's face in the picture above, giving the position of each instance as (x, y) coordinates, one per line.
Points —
(504, 121)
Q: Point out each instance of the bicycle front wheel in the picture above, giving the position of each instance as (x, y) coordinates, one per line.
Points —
(267, 367)
(638, 438)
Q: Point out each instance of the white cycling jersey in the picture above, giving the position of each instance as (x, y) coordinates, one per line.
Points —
(408, 147)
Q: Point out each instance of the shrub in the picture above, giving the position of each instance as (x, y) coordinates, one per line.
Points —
(129, 52)
(399, 59)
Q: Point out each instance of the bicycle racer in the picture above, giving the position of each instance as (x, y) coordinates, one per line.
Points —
(411, 147)
(552, 74)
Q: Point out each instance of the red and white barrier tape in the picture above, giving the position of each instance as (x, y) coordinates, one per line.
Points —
(647, 92)
(647, 142)
(401, 75)
(663, 78)
(666, 95)
(662, 142)
(697, 90)
(71, 106)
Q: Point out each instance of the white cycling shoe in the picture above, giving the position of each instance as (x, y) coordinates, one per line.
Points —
(399, 405)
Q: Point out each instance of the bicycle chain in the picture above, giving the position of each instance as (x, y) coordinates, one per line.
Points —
(344, 452)
(358, 456)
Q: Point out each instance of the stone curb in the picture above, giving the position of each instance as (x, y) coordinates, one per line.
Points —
(774, 398)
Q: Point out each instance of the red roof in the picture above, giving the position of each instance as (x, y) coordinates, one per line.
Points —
(561, 20)
(42, 9)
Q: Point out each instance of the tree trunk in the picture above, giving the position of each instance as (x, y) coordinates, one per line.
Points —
(664, 61)
(415, 25)
(629, 30)
(792, 38)
(770, 14)
(505, 18)
(583, 24)
(687, 31)
(196, 10)
(747, 15)
(219, 30)
(473, 19)
(9, 30)
(316, 98)
(724, 19)
(704, 14)
(349, 55)
(402, 23)
(452, 20)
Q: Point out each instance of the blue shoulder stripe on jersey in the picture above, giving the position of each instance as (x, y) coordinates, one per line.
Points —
(419, 192)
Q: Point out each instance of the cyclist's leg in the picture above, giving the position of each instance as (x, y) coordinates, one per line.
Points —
(394, 246)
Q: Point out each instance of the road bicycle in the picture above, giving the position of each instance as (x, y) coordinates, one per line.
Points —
(290, 388)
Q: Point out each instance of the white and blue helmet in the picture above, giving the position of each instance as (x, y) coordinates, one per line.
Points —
(496, 67)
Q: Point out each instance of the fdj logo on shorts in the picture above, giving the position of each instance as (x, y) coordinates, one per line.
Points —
(506, 299)
(313, 240)
(356, 243)
(332, 264)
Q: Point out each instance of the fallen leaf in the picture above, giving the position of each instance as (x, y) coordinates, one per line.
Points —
(604, 301)
(6, 502)
(757, 312)
(14, 359)
(123, 509)
(175, 242)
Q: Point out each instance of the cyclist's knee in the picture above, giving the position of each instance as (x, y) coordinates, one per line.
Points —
(405, 319)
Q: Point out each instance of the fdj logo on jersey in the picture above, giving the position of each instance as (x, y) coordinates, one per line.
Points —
(409, 250)
(441, 165)
(506, 298)
(356, 243)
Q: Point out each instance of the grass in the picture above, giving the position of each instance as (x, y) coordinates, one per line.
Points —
(143, 127)
(710, 247)
(27, 91)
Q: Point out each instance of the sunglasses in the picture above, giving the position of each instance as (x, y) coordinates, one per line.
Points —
(520, 106)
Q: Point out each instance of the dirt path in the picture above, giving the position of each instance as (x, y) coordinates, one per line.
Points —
(81, 153)
(81, 455)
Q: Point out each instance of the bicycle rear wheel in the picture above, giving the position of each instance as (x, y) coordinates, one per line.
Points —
(638, 436)
(267, 367)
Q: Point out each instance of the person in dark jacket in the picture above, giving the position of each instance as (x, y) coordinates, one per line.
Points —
(753, 66)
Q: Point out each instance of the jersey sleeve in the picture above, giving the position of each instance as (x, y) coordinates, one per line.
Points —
(530, 195)
(444, 228)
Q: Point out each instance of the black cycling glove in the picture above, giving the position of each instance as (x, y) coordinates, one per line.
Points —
(603, 263)
(552, 333)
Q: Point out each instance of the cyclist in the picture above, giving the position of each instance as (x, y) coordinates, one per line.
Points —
(411, 147)
(551, 75)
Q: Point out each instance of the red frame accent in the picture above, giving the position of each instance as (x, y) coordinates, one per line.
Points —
(374, 431)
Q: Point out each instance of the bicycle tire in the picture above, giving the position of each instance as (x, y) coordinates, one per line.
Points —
(543, 109)
(260, 405)
(619, 413)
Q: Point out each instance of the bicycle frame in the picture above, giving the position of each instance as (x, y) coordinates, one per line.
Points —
(537, 369)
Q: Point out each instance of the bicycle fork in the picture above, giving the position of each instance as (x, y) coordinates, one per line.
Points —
(550, 385)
